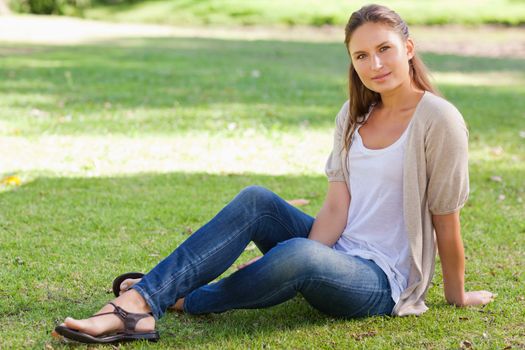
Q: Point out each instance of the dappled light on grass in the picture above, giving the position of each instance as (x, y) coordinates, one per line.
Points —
(270, 86)
(248, 152)
(175, 86)
(482, 78)
(486, 153)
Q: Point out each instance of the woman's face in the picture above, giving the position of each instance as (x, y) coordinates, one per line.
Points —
(380, 57)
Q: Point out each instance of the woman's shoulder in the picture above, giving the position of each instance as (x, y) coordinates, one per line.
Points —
(344, 110)
(343, 114)
(437, 109)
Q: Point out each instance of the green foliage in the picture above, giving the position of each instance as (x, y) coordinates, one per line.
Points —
(323, 20)
(44, 6)
(50, 7)
(114, 2)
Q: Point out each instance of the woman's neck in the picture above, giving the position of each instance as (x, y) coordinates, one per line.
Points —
(401, 98)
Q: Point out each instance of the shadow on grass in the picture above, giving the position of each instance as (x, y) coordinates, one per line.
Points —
(169, 86)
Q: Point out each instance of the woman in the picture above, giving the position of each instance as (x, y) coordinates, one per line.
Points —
(397, 174)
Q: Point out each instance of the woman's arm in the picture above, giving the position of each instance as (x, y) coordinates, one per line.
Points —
(451, 253)
(331, 219)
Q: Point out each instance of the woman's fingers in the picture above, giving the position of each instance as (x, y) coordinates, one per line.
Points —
(486, 296)
(481, 297)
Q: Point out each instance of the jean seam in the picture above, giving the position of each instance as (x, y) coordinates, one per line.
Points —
(211, 253)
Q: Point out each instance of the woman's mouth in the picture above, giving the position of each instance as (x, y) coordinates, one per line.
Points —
(381, 77)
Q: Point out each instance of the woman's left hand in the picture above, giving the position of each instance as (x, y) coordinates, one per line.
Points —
(480, 297)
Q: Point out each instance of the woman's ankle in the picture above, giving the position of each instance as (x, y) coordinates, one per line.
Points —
(133, 301)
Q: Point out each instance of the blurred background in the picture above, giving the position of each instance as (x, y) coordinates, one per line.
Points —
(292, 12)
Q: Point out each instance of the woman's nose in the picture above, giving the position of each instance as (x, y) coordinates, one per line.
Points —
(376, 62)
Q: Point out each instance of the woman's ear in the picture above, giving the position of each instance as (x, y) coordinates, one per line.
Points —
(410, 47)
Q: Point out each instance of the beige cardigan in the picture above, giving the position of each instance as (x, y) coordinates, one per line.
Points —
(435, 181)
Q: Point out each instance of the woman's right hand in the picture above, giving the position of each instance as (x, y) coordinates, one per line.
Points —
(242, 266)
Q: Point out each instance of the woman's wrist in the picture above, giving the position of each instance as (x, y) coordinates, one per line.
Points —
(458, 300)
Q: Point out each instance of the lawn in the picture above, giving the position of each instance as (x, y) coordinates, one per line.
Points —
(125, 148)
(306, 12)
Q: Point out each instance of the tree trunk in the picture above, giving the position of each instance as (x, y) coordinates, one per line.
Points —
(4, 8)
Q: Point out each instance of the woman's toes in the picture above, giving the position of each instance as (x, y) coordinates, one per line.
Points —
(84, 326)
(127, 284)
(107, 321)
(96, 325)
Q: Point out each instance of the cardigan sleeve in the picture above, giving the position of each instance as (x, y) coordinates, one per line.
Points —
(334, 163)
(446, 151)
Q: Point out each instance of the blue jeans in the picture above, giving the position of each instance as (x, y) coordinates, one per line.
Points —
(331, 281)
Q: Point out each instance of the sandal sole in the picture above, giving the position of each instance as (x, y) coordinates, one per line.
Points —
(80, 337)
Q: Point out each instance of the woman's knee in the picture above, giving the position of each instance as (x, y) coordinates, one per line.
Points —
(256, 197)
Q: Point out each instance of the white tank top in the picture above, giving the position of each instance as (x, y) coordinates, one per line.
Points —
(375, 228)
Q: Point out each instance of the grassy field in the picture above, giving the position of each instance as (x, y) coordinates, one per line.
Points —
(124, 148)
(307, 12)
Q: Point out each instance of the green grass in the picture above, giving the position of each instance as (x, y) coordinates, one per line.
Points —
(307, 12)
(125, 147)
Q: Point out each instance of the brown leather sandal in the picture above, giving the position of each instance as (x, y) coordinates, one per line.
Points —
(128, 334)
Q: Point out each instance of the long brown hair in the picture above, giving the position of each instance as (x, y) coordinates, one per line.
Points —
(362, 98)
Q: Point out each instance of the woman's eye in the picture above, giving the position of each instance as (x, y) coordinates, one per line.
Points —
(384, 48)
(360, 57)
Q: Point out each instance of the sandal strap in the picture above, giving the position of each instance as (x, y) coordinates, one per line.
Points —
(129, 319)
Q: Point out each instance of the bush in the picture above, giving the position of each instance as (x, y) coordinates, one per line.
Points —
(50, 7)
(321, 20)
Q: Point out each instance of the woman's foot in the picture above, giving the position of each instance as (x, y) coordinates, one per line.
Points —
(130, 282)
(131, 301)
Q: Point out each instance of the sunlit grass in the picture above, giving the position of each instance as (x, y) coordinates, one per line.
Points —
(241, 152)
